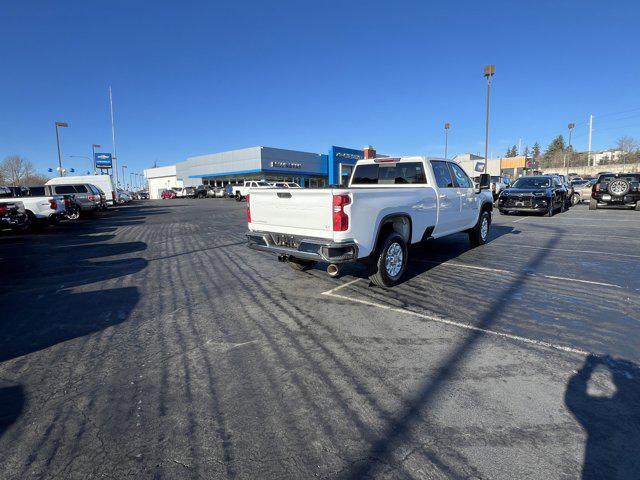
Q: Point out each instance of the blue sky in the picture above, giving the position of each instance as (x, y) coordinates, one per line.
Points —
(196, 77)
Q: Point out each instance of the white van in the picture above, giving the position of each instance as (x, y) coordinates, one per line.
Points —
(103, 182)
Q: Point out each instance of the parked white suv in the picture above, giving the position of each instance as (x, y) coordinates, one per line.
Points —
(390, 203)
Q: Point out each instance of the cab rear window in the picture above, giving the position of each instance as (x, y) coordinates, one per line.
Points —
(404, 173)
(611, 178)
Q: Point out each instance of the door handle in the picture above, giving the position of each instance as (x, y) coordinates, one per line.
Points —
(442, 196)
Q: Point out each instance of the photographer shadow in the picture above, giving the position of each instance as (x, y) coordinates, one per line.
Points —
(612, 423)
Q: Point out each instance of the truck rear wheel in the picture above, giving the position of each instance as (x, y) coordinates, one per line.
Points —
(301, 265)
(593, 204)
(479, 234)
(389, 262)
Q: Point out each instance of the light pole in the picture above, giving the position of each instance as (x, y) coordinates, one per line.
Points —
(123, 177)
(64, 125)
(489, 71)
(570, 127)
(446, 138)
(93, 151)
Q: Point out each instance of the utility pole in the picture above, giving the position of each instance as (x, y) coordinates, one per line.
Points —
(590, 132)
(489, 71)
(123, 177)
(446, 138)
(64, 125)
(113, 137)
(519, 146)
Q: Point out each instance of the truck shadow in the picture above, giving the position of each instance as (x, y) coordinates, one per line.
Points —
(431, 253)
(612, 423)
(12, 401)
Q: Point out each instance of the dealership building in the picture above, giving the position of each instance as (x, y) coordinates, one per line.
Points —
(310, 170)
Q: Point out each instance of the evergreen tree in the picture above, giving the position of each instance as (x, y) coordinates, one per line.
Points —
(556, 145)
(536, 150)
(526, 152)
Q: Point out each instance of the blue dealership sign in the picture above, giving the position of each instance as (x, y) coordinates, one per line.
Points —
(341, 155)
(103, 160)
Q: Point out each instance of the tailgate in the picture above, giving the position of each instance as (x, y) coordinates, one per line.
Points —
(295, 211)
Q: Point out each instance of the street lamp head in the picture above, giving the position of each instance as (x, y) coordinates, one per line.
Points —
(62, 124)
(447, 126)
(571, 125)
(489, 70)
(95, 145)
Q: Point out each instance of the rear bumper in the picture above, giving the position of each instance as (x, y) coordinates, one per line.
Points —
(525, 209)
(306, 248)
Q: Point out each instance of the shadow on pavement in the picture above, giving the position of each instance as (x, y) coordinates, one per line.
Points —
(59, 317)
(398, 431)
(612, 423)
(12, 402)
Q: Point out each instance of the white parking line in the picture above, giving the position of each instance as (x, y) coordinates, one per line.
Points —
(510, 272)
(520, 219)
(596, 252)
(433, 318)
(608, 237)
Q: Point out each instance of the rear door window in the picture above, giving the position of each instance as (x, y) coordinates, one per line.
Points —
(81, 189)
(65, 189)
(442, 174)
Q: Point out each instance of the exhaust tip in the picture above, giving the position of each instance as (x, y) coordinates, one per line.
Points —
(333, 270)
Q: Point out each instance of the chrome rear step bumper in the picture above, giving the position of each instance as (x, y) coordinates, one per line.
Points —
(305, 248)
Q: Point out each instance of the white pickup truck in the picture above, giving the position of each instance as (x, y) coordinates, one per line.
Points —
(390, 203)
(241, 191)
(40, 210)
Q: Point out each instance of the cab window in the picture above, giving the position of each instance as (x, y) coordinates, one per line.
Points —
(442, 174)
(462, 179)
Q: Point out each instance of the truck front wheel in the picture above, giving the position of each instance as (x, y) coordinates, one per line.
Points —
(389, 262)
(479, 234)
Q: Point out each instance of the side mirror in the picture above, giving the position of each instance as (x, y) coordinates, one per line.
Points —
(485, 182)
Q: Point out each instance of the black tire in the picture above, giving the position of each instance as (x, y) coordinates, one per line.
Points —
(637, 209)
(24, 228)
(301, 265)
(478, 235)
(593, 204)
(238, 197)
(563, 206)
(34, 224)
(378, 273)
(551, 209)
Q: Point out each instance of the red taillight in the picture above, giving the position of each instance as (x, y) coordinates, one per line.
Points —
(91, 198)
(113, 195)
(54, 204)
(67, 202)
(248, 210)
(4, 210)
(340, 218)
(597, 187)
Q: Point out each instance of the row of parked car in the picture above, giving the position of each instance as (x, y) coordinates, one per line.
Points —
(239, 191)
(551, 193)
(25, 208)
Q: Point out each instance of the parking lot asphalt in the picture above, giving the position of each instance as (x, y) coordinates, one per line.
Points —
(150, 342)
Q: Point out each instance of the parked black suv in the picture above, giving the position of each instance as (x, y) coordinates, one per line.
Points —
(541, 193)
(616, 190)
